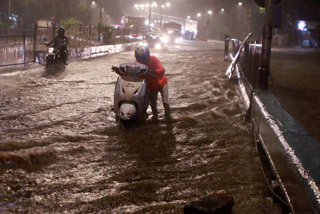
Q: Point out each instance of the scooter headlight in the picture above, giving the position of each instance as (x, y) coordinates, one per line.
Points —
(127, 111)
(50, 50)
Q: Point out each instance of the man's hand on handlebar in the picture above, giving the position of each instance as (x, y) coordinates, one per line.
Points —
(152, 72)
(114, 68)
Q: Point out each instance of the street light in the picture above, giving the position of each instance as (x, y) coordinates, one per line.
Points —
(149, 16)
(9, 9)
(94, 4)
(199, 14)
(162, 6)
(208, 22)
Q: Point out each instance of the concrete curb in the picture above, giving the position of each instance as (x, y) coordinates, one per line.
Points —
(293, 154)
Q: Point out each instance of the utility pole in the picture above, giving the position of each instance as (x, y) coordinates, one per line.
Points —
(100, 12)
(149, 16)
(161, 16)
(9, 9)
(263, 73)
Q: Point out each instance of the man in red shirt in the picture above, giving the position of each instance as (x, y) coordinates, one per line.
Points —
(157, 82)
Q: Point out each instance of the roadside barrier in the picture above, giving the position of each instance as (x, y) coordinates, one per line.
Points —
(90, 52)
(293, 154)
(16, 49)
(26, 46)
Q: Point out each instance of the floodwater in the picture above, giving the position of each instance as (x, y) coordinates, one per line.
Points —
(62, 152)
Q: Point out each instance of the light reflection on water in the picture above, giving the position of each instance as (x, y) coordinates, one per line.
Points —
(84, 162)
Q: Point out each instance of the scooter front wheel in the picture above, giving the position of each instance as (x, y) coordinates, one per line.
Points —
(129, 124)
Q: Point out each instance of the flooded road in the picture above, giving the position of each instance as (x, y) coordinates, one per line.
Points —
(62, 152)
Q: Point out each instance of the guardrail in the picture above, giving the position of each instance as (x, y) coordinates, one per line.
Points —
(292, 153)
(249, 59)
(26, 47)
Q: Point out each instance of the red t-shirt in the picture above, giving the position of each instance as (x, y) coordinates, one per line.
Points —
(158, 81)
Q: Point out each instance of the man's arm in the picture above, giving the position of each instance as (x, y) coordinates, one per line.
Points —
(159, 69)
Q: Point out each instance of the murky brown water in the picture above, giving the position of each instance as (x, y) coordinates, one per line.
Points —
(62, 152)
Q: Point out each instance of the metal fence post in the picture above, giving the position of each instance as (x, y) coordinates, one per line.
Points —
(24, 47)
(90, 35)
(124, 32)
(79, 44)
(266, 47)
(34, 42)
(118, 34)
(53, 30)
(226, 47)
(99, 38)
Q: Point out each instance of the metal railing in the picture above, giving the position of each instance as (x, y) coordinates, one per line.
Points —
(15, 50)
(29, 44)
(249, 59)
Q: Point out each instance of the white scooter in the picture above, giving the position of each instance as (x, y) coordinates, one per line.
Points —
(131, 94)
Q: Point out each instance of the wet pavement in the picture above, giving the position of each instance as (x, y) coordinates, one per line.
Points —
(296, 78)
(62, 152)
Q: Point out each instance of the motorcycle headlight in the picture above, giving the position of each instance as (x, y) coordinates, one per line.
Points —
(50, 50)
(165, 39)
(177, 40)
(158, 46)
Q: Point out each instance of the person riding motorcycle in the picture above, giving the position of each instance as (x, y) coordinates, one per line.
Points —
(61, 42)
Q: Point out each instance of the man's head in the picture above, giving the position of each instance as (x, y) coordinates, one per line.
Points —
(61, 31)
(142, 54)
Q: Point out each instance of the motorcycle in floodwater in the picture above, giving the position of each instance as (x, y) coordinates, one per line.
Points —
(131, 94)
(56, 56)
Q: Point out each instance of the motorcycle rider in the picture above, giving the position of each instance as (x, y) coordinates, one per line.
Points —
(61, 41)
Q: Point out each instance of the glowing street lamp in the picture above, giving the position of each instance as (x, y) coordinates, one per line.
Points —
(94, 4)
(9, 9)
(162, 6)
(199, 14)
(149, 16)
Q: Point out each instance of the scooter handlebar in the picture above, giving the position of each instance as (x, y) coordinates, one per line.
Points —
(115, 69)
(143, 70)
